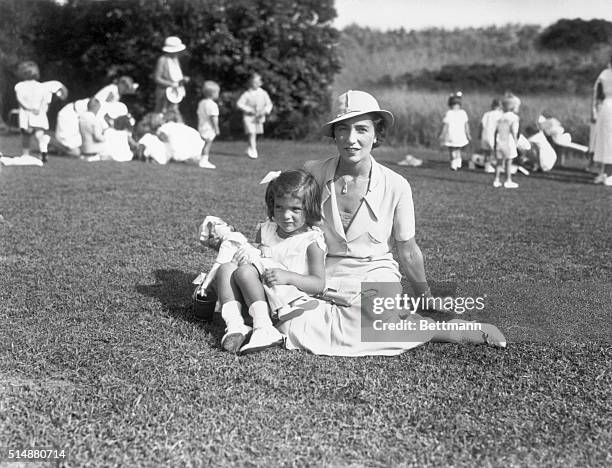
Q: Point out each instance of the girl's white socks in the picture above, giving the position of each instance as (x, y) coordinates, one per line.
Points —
(231, 313)
(261, 314)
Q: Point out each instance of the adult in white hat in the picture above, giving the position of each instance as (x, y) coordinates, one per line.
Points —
(169, 78)
(367, 210)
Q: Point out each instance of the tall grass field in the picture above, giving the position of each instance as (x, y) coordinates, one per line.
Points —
(369, 56)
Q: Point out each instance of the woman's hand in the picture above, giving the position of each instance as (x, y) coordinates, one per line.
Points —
(275, 276)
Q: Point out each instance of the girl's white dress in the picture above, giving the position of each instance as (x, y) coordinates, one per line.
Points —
(454, 124)
(289, 254)
(603, 125)
(507, 129)
(489, 123)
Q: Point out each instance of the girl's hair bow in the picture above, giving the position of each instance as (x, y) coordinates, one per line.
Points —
(269, 177)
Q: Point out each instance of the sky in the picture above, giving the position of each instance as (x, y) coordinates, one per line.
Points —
(419, 14)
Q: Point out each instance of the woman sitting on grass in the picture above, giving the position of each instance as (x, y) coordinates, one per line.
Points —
(366, 210)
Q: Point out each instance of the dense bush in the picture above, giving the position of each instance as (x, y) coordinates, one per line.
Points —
(537, 78)
(576, 34)
(291, 44)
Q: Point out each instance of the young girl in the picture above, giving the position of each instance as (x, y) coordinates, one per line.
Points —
(255, 105)
(506, 139)
(34, 99)
(208, 120)
(455, 131)
(290, 238)
(488, 124)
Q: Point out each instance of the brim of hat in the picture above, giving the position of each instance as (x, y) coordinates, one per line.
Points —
(173, 97)
(174, 49)
(327, 129)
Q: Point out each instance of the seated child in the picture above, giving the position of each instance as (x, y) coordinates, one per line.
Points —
(92, 130)
(116, 141)
(290, 238)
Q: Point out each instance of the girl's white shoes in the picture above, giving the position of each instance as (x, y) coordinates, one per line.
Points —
(603, 179)
(456, 164)
(233, 339)
(262, 338)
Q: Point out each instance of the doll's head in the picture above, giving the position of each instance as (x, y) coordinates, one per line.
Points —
(293, 199)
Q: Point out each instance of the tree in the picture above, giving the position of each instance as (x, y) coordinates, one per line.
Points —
(290, 43)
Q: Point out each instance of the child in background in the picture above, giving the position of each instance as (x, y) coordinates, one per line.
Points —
(455, 131)
(255, 105)
(488, 125)
(34, 99)
(92, 131)
(506, 140)
(208, 120)
(116, 141)
(290, 238)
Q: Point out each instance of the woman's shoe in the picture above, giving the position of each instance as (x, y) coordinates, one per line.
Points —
(262, 338)
(497, 183)
(510, 184)
(493, 336)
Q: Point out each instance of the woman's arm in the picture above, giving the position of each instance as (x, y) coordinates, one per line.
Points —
(411, 261)
(312, 283)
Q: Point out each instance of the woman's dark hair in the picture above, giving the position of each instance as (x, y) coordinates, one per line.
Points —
(297, 183)
(380, 130)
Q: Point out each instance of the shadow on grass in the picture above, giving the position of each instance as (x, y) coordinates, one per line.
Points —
(173, 289)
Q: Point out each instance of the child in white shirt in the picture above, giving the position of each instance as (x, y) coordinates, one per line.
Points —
(208, 120)
(488, 124)
(255, 105)
(455, 131)
(34, 99)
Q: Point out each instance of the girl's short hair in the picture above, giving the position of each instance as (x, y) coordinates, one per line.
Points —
(28, 70)
(122, 123)
(510, 103)
(210, 88)
(297, 183)
(252, 77)
(454, 99)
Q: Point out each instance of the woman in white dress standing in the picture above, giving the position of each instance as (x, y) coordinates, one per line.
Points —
(602, 100)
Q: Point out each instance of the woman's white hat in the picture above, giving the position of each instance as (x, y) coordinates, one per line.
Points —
(173, 44)
(352, 104)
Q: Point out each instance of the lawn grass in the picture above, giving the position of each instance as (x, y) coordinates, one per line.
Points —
(100, 353)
